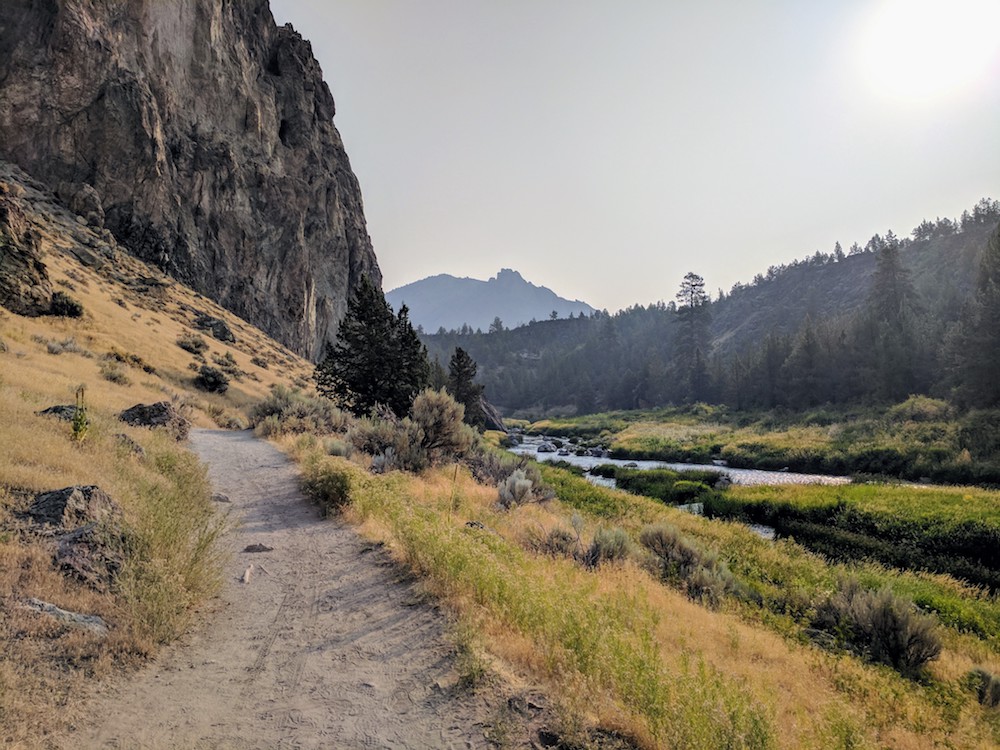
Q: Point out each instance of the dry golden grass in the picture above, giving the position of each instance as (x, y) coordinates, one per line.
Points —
(45, 668)
(812, 698)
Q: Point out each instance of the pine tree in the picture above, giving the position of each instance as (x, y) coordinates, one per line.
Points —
(463, 388)
(889, 342)
(979, 335)
(377, 358)
(692, 339)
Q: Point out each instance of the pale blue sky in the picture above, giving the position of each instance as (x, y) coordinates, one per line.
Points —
(604, 149)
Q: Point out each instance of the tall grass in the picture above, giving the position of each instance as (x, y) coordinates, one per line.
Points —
(586, 636)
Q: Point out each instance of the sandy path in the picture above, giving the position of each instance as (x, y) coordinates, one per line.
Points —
(329, 648)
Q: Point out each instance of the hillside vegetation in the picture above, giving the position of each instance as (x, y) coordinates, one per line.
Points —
(135, 341)
(873, 324)
(655, 626)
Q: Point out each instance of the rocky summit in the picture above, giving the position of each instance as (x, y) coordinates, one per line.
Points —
(201, 135)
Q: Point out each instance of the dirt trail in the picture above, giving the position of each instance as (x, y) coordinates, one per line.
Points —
(328, 648)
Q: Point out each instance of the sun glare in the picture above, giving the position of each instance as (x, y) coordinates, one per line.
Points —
(929, 50)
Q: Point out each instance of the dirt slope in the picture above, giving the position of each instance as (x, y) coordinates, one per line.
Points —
(326, 646)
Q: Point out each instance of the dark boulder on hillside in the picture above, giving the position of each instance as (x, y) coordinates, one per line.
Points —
(217, 327)
(25, 288)
(494, 421)
(65, 412)
(74, 506)
(204, 134)
(160, 414)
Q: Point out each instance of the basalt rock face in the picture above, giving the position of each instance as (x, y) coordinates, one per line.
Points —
(201, 134)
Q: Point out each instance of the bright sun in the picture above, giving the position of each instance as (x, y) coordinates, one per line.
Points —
(929, 50)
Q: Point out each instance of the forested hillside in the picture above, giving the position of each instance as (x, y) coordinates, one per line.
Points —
(869, 324)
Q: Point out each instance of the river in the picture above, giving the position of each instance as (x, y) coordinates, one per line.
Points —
(737, 476)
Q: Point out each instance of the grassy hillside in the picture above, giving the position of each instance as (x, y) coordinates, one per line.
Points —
(726, 650)
(123, 350)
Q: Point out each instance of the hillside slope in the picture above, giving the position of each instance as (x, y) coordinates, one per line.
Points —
(123, 348)
(448, 302)
(201, 135)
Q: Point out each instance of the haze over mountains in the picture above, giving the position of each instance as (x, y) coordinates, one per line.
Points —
(449, 302)
(830, 328)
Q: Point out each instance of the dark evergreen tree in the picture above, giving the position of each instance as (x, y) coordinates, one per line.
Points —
(377, 358)
(888, 328)
(692, 338)
(463, 388)
(978, 339)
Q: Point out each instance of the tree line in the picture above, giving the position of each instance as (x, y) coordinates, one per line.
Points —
(894, 317)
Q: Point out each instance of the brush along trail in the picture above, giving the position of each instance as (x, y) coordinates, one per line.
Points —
(323, 643)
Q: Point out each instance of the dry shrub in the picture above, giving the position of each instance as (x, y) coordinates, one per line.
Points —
(883, 627)
(440, 420)
(608, 545)
(192, 342)
(515, 489)
(287, 410)
(679, 559)
(558, 542)
(987, 687)
(112, 372)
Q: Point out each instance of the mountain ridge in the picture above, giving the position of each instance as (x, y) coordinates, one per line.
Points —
(451, 302)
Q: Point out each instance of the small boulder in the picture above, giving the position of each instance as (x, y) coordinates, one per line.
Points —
(84, 201)
(160, 414)
(65, 412)
(92, 623)
(129, 445)
(492, 418)
(93, 554)
(218, 328)
(74, 506)
(3, 346)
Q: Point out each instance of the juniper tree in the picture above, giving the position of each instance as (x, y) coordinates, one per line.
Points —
(376, 359)
(462, 386)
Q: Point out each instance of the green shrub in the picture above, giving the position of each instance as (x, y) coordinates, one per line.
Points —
(287, 410)
(337, 447)
(192, 342)
(987, 687)
(685, 491)
(440, 420)
(680, 559)
(329, 485)
(515, 489)
(372, 436)
(883, 627)
(111, 371)
(608, 545)
(259, 362)
(65, 306)
(919, 409)
(211, 379)
(558, 542)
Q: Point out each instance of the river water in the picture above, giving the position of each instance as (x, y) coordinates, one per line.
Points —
(737, 476)
(529, 447)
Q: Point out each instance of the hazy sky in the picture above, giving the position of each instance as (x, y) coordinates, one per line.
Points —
(606, 148)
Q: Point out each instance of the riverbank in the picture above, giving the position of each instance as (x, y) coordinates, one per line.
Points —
(920, 439)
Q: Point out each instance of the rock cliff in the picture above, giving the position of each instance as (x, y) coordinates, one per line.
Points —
(201, 135)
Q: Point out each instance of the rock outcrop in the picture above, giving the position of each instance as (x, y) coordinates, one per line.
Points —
(24, 281)
(201, 135)
(161, 414)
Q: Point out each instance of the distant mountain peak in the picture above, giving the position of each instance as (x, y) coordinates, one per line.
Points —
(449, 302)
